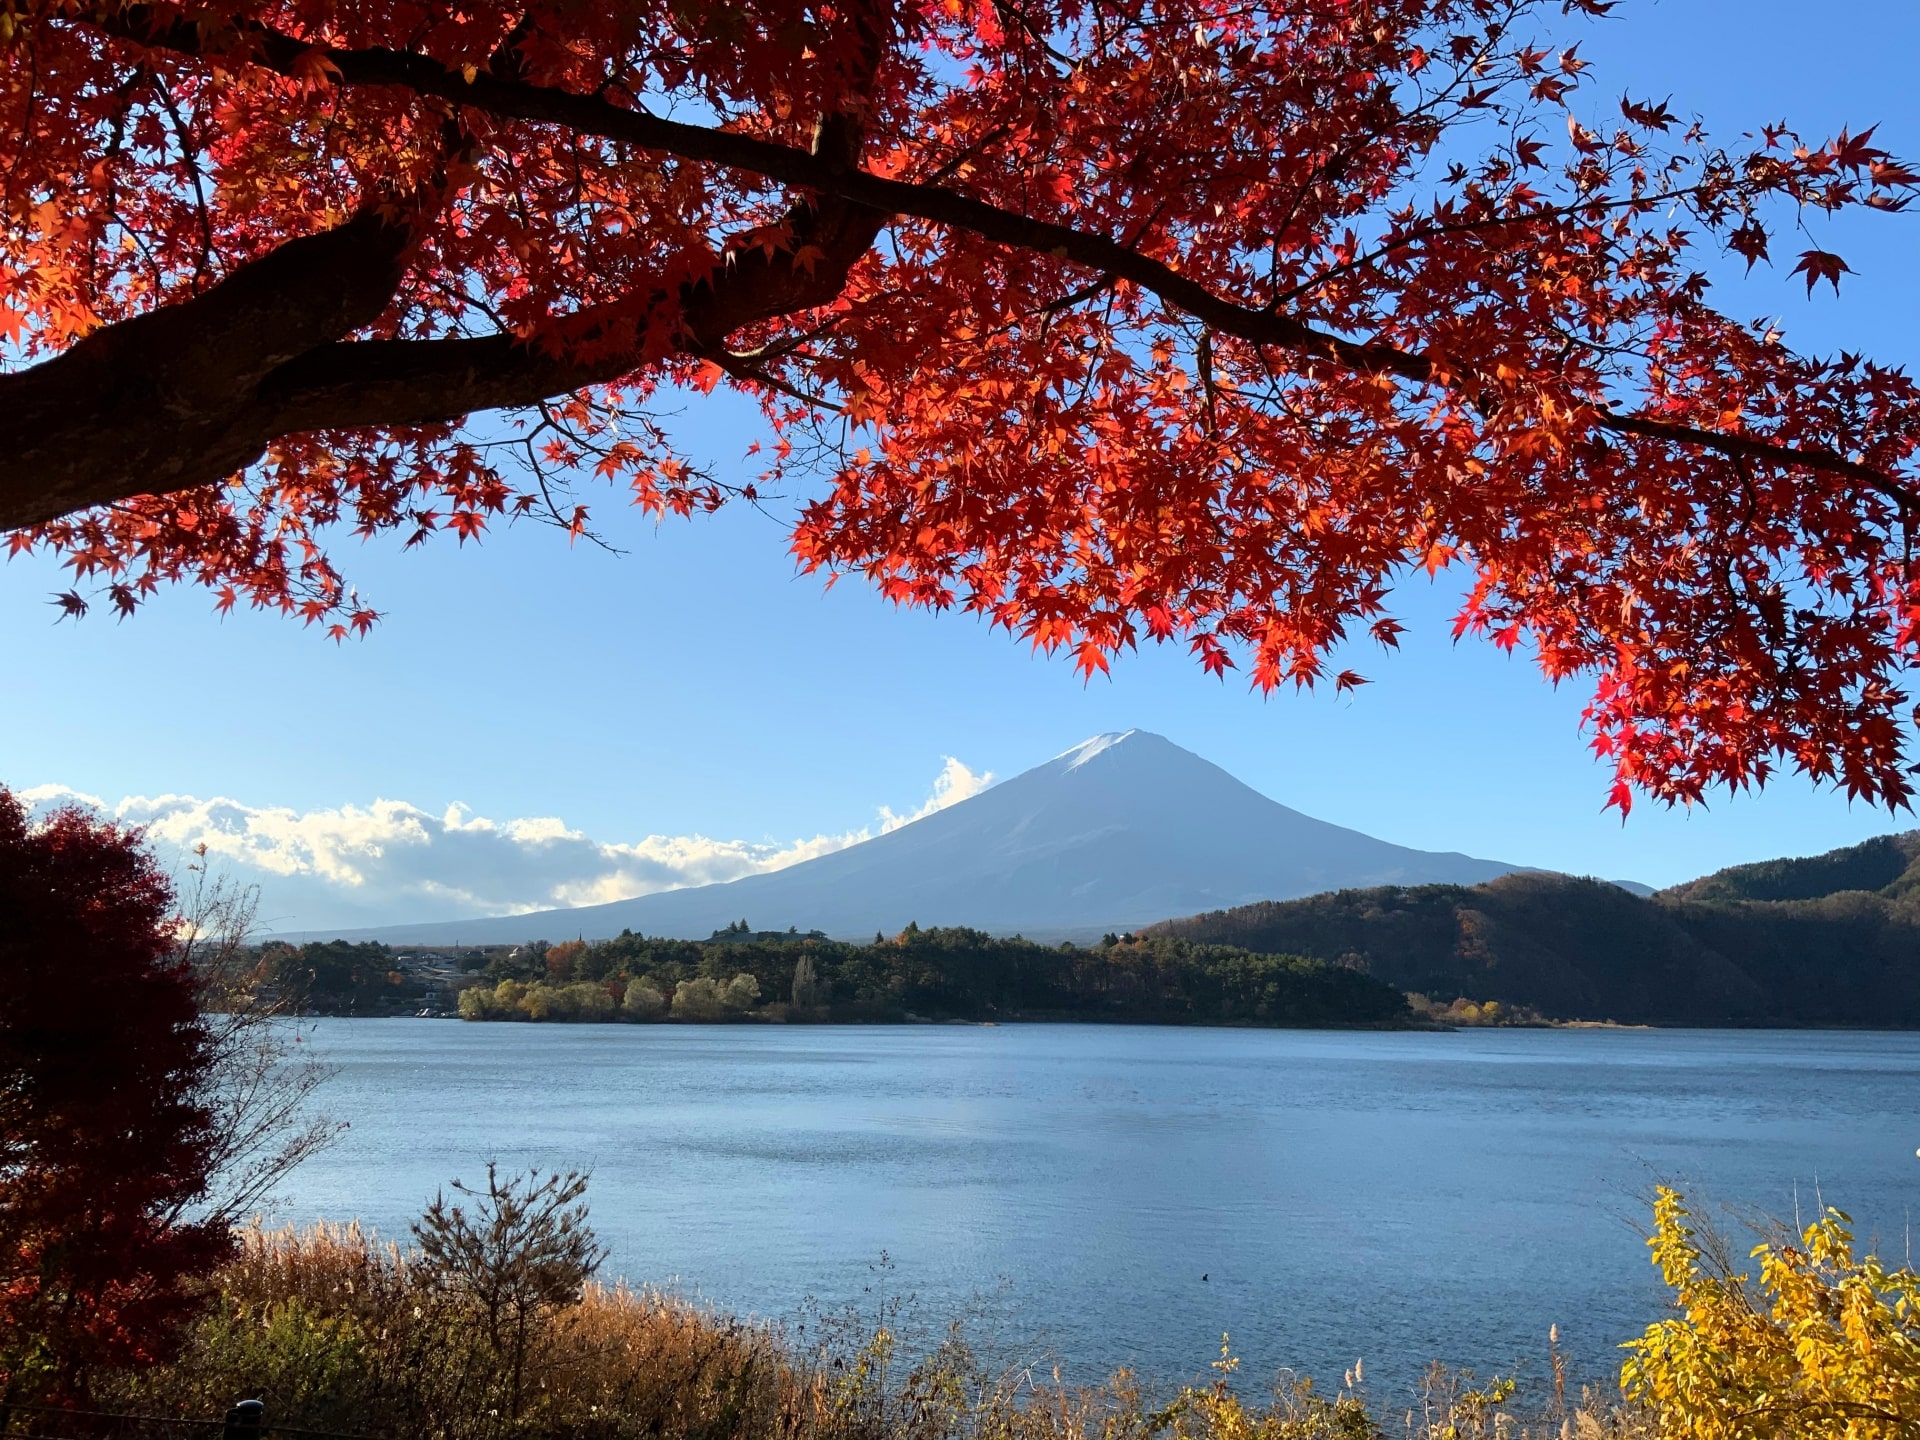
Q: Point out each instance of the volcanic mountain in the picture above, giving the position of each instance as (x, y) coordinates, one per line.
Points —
(1118, 832)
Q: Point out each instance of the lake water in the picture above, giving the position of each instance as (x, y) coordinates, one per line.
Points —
(1111, 1195)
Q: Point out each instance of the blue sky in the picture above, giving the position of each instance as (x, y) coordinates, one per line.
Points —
(693, 686)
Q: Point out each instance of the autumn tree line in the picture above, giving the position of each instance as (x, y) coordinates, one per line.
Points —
(935, 974)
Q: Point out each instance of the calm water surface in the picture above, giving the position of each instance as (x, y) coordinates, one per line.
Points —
(1397, 1197)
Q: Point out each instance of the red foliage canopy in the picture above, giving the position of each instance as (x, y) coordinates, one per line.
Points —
(1195, 320)
(104, 1135)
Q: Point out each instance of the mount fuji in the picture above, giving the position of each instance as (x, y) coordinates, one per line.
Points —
(1120, 831)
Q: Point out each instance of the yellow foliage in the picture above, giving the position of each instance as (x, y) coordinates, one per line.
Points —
(1298, 1412)
(1826, 1347)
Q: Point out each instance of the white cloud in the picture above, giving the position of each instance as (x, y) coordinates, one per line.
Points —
(392, 862)
(954, 783)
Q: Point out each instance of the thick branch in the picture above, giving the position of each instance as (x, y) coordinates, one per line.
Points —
(1748, 447)
(822, 171)
(148, 405)
(421, 382)
(193, 393)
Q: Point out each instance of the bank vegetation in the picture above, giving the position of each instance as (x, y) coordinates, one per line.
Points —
(490, 1325)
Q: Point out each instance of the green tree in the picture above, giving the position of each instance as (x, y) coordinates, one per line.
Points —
(806, 985)
(642, 1001)
(698, 999)
(330, 974)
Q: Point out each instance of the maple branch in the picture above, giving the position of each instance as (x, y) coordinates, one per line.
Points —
(826, 173)
(1581, 207)
(203, 261)
(834, 175)
(147, 405)
(329, 382)
(1750, 447)
(194, 392)
(742, 368)
(355, 383)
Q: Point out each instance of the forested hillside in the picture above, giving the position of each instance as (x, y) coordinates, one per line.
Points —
(1884, 864)
(1829, 940)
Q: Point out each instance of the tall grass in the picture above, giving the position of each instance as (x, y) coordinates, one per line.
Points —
(337, 1331)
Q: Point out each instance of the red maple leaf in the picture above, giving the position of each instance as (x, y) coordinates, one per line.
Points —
(1818, 265)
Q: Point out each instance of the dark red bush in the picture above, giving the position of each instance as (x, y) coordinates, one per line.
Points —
(105, 1131)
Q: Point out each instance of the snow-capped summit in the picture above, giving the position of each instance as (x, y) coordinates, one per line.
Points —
(1088, 749)
(1121, 830)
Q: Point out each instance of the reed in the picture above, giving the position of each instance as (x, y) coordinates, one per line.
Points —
(342, 1332)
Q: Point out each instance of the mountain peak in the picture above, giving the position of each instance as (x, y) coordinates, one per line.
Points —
(1099, 744)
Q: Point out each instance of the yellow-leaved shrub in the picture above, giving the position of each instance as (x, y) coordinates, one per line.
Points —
(1824, 1347)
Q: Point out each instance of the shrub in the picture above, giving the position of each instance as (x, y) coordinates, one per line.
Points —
(698, 999)
(525, 1251)
(642, 1001)
(1826, 1347)
(349, 1335)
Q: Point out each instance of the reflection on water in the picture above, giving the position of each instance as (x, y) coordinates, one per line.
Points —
(1397, 1197)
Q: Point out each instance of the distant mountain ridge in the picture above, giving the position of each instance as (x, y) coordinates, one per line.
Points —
(1118, 832)
(1886, 864)
(1831, 939)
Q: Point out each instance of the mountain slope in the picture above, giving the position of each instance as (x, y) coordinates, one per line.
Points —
(1826, 940)
(1571, 949)
(1115, 833)
(1881, 864)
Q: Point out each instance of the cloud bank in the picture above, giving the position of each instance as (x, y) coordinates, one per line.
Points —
(391, 862)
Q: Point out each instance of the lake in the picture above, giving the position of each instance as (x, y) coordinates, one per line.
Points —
(1108, 1194)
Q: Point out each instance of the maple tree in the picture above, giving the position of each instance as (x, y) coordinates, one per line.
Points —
(106, 1137)
(1190, 320)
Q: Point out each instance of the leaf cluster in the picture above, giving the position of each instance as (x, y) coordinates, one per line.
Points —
(1820, 1344)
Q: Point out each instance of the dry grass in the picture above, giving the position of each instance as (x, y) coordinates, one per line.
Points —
(338, 1332)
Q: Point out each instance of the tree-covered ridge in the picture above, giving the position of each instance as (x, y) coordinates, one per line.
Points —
(1717, 951)
(1881, 864)
(942, 974)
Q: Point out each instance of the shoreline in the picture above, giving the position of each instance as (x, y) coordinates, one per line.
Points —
(918, 1023)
